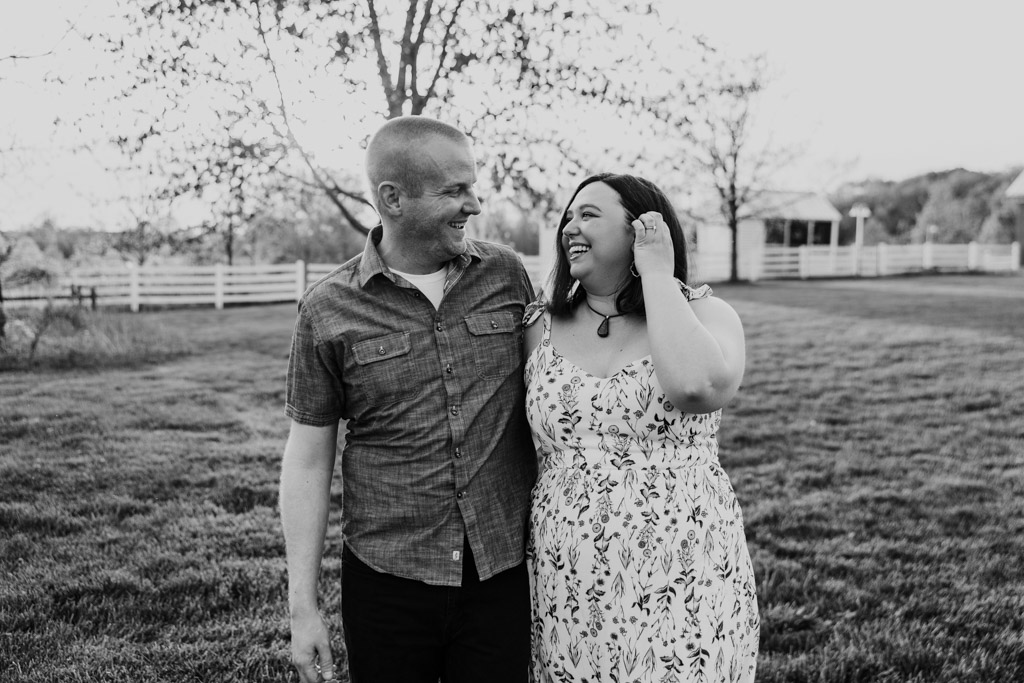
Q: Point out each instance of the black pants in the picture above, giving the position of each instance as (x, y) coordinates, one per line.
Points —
(403, 631)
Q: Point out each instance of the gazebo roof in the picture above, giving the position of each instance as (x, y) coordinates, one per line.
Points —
(794, 206)
(1016, 188)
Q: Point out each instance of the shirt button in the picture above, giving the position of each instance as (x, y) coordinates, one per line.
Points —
(448, 368)
(461, 495)
(455, 410)
(458, 452)
(494, 325)
(440, 327)
(381, 351)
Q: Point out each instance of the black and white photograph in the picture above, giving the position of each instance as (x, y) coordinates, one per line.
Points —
(511, 341)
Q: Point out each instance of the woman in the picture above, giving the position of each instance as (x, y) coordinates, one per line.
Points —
(640, 570)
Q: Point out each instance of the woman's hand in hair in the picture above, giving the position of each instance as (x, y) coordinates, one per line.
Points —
(652, 246)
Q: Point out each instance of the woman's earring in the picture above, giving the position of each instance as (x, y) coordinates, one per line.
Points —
(632, 269)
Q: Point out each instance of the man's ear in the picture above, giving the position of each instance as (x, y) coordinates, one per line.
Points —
(389, 199)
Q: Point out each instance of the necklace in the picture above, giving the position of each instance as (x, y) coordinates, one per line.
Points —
(602, 329)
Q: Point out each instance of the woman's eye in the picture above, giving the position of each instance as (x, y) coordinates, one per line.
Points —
(587, 214)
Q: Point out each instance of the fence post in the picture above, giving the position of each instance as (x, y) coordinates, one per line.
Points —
(801, 252)
(973, 256)
(218, 286)
(882, 255)
(756, 264)
(855, 258)
(300, 279)
(927, 256)
(1015, 256)
(133, 288)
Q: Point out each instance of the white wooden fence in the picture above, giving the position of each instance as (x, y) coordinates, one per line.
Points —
(221, 285)
(875, 261)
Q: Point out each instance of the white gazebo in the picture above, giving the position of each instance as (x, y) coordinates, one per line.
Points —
(772, 219)
(785, 219)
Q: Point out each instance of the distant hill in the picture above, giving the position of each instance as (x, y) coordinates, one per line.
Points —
(962, 205)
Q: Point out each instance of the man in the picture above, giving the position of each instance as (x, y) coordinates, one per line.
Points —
(417, 344)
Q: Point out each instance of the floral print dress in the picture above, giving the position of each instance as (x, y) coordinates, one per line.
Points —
(638, 564)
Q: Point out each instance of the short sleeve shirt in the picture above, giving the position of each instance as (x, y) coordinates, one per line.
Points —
(438, 449)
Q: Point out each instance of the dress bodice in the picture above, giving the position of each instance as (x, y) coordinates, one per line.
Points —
(624, 421)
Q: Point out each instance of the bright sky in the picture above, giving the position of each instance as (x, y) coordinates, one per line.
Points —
(873, 88)
(884, 88)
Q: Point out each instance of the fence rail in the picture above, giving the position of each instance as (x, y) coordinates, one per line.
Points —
(804, 262)
(222, 285)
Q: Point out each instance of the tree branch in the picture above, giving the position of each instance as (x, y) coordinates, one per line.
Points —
(407, 59)
(331, 189)
(382, 62)
(449, 29)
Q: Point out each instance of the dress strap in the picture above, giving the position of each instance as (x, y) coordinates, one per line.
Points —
(533, 312)
(694, 293)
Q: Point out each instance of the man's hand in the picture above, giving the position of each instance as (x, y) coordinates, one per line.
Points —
(311, 649)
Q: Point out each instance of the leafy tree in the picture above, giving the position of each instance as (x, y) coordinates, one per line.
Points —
(255, 77)
(304, 226)
(957, 207)
(6, 248)
(962, 205)
(1001, 225)
(142, 240)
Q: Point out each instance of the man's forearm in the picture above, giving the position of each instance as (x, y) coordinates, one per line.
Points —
(305, 500)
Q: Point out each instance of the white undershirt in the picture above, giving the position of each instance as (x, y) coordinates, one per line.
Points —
(431, 284)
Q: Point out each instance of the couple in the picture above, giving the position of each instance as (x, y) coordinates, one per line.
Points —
(628, 561)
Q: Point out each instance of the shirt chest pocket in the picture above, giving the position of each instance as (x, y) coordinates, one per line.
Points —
(496, 339)
(384, 368)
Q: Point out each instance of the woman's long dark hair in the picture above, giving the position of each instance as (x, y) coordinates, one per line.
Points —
(637, 196)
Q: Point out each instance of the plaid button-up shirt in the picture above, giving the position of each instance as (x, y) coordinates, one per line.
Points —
(438, 448)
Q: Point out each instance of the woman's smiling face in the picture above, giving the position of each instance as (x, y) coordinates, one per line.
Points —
(597, 239)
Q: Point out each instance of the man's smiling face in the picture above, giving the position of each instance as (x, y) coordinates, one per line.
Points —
(434, 223)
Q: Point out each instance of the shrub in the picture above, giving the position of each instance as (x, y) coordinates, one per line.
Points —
(62, 337)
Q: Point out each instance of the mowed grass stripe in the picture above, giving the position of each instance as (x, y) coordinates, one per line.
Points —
(876, 448)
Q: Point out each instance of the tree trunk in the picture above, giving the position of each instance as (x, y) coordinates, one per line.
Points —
(3, 316)
(229, 242)
(734, 229)
(734, 271)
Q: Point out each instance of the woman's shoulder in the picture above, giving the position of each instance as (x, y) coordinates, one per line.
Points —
(710, 308)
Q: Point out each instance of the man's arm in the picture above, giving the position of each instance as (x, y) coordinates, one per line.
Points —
(306, 471)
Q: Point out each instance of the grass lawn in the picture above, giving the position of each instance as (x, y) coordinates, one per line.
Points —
(877, 449)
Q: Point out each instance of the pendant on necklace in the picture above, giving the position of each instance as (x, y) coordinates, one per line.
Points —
(602, 329)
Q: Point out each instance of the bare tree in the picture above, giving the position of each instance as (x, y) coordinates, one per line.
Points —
(737, 169)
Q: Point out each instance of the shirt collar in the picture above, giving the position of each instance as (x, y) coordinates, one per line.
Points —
(371, 264)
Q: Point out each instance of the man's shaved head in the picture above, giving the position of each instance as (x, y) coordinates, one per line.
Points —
(392, 155)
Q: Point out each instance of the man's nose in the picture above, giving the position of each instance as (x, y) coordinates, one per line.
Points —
(472, 205)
